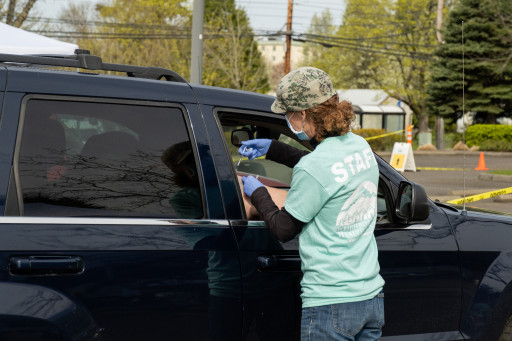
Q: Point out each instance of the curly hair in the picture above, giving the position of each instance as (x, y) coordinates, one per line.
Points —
(331, 118)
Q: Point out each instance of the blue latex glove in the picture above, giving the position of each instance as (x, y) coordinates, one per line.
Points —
(251, 184)
(254, 148)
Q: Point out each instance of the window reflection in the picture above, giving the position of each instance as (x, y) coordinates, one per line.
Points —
(100, 159)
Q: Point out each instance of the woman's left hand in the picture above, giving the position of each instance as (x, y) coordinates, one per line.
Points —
(251, 184)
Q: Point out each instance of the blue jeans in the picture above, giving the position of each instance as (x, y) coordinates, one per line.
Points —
(354, 321)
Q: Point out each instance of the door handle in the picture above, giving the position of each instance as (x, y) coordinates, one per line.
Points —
(279, 263)
(46, 265)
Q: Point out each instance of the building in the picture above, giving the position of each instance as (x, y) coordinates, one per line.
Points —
(274, 50)
(375, 109)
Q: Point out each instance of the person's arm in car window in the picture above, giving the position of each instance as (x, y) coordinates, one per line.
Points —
(284, 154)
(281, 223)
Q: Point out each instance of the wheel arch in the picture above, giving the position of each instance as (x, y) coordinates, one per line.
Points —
(491, 306)
(41, 312)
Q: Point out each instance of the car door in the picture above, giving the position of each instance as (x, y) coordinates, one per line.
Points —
(419, 261)
(112, 225)
(271, 291)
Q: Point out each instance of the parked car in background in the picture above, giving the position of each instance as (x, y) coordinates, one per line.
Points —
(122, 218)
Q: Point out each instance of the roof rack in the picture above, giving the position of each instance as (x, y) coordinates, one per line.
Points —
(84, 60)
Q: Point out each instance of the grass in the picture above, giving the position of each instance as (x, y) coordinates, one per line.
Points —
(502, 172)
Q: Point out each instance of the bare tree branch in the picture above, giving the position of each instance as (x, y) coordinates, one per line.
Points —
(10, 12)
(24, 13)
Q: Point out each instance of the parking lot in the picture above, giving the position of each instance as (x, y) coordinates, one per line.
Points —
(452, 184)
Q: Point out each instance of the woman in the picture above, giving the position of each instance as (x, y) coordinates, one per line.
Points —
(332, 203)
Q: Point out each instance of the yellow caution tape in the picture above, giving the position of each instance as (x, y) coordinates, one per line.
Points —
(383, 135)
(482, 196)
(441, 169)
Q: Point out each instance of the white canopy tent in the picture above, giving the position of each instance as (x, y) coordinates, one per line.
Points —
(17, 41)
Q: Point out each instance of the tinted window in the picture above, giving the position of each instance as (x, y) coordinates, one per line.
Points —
(101, 159)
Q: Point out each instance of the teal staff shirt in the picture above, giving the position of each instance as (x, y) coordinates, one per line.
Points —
(334, 191)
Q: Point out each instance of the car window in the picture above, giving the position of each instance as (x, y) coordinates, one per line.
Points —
(271, 173)
(104, 159)
(383, 207)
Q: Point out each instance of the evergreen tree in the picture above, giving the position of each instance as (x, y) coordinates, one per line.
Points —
(487, 26)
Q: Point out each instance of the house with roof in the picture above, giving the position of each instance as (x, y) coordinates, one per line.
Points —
(375, 109)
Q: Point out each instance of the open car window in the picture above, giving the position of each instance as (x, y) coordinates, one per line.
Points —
(270, 173)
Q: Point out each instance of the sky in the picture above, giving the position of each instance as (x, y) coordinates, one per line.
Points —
(265, 15)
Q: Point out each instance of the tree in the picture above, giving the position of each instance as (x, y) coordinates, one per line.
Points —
(365, 24)
(157, 32)
(487, 26)
(416, 41)
(320, 26)
(231, 56)
(15, 12)
(385, 44)
(149, 32)
(141, 32)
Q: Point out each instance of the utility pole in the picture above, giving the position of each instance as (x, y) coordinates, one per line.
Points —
(196, 61)
(288, 37)
(439, 34)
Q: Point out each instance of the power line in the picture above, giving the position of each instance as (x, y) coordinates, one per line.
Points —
(132, 36)
(380, 50)
(342, 39)
(135, 36)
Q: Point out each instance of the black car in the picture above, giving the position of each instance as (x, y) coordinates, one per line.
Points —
(122, 218)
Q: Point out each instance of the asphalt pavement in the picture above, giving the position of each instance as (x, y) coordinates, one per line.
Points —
(445, 185)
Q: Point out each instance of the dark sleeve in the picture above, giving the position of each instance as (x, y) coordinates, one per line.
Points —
(284, 154)
(281, 223)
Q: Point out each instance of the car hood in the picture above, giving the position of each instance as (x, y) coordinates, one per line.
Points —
(478, 212)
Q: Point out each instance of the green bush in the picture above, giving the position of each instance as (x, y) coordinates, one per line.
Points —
(495, 145)
(382, 143)
(499, 135)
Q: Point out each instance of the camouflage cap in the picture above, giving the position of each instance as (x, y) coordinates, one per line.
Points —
(302, 89)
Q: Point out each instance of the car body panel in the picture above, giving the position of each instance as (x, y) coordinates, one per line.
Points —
(413, 262)
(3, 78)
(221, 97)
(55, 314)
(138, 280)
(65, 83)
(486, 256)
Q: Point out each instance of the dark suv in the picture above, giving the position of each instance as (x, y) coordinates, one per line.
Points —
(122, 218)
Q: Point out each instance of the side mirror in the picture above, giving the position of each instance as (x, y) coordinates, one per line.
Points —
(239, 135)
(411, 202)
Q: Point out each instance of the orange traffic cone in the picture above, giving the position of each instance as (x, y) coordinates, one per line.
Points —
(481, 162)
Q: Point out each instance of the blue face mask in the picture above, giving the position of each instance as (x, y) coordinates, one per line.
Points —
(300, 134)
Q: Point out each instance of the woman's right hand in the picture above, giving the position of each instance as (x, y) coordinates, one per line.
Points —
(254, 148)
